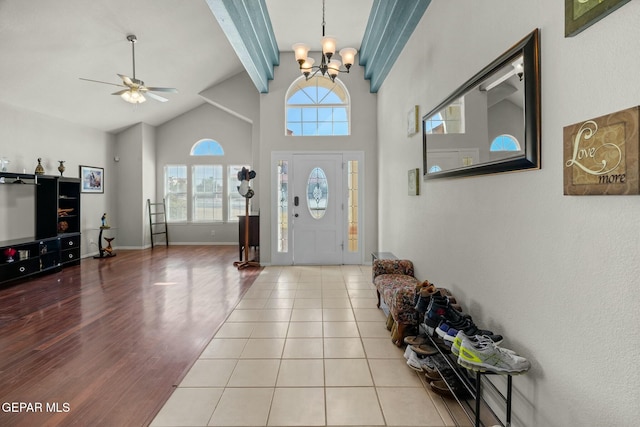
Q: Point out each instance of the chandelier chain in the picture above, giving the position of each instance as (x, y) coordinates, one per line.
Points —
(323, 23)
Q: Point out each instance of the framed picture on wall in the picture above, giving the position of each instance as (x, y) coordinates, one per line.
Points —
(414, 182)
(92, 179)
(413, 122)
(580, 14)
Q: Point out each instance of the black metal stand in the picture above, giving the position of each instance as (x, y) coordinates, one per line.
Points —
(477, 409)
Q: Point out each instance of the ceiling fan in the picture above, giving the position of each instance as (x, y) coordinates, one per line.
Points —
(135, 90)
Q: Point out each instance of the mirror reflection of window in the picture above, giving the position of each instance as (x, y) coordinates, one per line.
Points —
(505, 143)
(449, 120)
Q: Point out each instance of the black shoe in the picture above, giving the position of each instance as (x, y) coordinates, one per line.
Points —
(470, 329)
(440, 310)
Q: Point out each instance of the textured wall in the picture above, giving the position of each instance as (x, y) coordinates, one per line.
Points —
(557, 275)
(25, 136)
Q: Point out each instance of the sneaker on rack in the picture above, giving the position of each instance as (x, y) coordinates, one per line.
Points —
(485, 355)
(446, 332)
(457, 342)
(407, 352)
(413, 361)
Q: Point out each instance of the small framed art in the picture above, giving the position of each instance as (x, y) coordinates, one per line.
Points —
(413, 122)
(580, 14)
(414, 182)
(602, 155)
(92, 179)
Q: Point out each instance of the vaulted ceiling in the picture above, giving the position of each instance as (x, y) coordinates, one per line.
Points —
(46, 47)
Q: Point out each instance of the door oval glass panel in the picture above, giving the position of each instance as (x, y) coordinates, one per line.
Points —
(317, 193)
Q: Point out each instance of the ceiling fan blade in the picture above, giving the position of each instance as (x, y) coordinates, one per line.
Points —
(120, 92)
(163, 89)
(98, 81)
(156, 97)
(126, 80)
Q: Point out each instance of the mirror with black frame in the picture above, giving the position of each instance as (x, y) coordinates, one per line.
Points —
(491, 123)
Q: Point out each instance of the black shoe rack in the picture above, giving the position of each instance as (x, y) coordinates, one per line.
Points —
(472, 384)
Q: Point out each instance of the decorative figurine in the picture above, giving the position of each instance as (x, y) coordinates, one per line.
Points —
(9, 253)
(39, 168)
(104, 221)
(61, 168)
(109, 248)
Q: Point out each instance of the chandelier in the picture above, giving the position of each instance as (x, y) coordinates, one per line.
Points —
(328, 66)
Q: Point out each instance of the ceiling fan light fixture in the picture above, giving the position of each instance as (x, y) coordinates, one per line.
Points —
(134, 88)
(133, 97)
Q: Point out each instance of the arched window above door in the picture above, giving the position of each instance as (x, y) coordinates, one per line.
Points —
(317, 107)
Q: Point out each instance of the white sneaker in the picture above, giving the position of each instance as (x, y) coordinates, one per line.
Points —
(487, 356)
(414, 361)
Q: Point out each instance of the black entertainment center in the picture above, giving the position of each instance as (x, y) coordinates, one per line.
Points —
(55, 239)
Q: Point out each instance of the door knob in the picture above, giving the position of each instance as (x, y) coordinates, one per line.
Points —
(296, 215)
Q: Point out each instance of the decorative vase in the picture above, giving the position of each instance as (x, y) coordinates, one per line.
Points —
(39, 168)
(61, 168)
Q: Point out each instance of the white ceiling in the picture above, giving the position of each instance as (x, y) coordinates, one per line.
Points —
(46, 46)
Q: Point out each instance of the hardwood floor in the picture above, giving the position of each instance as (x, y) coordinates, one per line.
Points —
(106, 342)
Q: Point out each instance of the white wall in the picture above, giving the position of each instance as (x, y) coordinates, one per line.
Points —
(149, 173)
(557, 275)
(272, 138)
(128, 223)
(174, 141)
(25, 136)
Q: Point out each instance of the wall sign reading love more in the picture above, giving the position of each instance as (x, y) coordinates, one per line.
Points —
(601, 155)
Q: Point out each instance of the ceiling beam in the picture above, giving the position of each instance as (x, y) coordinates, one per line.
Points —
(247, 25)
(390, 25)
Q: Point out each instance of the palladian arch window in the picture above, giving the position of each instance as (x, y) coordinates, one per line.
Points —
(317, 107)
(504, 143)
(207, 147)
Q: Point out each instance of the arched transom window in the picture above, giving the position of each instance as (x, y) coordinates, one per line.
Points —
(317, 107)
(207, 147)
(505, 143)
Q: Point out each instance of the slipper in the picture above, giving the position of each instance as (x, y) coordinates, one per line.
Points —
(431, 374)
(415, 340)
(441, 388)
(424, 349)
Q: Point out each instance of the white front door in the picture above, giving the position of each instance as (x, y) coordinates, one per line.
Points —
(317, 211)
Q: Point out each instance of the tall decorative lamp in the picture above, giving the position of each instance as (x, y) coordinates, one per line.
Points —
(244, 176)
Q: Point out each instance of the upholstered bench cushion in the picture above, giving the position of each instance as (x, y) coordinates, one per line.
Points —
(397, 291)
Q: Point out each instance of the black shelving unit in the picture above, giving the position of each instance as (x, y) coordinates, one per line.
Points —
(56, 238)
(472, 402)
(68, 219)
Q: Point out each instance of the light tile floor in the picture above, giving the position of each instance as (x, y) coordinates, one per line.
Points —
(306, 346)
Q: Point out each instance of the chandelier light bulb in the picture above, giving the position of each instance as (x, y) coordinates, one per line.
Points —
(301, 50)
(328, 46)
(348, 55)
(334, 68)
(307, 66)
